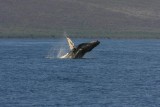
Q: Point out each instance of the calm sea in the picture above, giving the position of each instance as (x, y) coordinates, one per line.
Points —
(117, 73)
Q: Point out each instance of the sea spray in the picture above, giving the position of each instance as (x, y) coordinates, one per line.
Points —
(58, 50)
(63, 47)
(62, 51)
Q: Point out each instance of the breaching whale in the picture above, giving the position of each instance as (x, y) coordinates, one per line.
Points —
(80, 50)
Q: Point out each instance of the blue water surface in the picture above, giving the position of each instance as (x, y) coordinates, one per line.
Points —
(117, 73)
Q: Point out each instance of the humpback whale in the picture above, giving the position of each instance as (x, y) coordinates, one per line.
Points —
(80, 50)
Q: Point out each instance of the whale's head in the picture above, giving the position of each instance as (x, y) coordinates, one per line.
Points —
(94, 44)
(83, 48)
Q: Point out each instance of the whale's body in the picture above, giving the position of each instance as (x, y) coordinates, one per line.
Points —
(80, 50)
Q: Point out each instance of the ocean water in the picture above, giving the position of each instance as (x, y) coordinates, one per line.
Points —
(117, 73)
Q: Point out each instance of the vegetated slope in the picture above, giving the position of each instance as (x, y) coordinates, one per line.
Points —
(112, 15)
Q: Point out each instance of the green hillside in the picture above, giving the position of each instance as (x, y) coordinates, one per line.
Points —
(50, 18)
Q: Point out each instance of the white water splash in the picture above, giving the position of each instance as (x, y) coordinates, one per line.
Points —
(57, 51)
(63, 49)
(61, 52)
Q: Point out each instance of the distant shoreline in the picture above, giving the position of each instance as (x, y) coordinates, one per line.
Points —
(80, 37)
(59, 37)
(77, 33)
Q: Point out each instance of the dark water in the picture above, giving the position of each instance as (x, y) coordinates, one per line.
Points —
(117, 73)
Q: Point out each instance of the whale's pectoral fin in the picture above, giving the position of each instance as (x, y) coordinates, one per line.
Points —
(70, 43)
